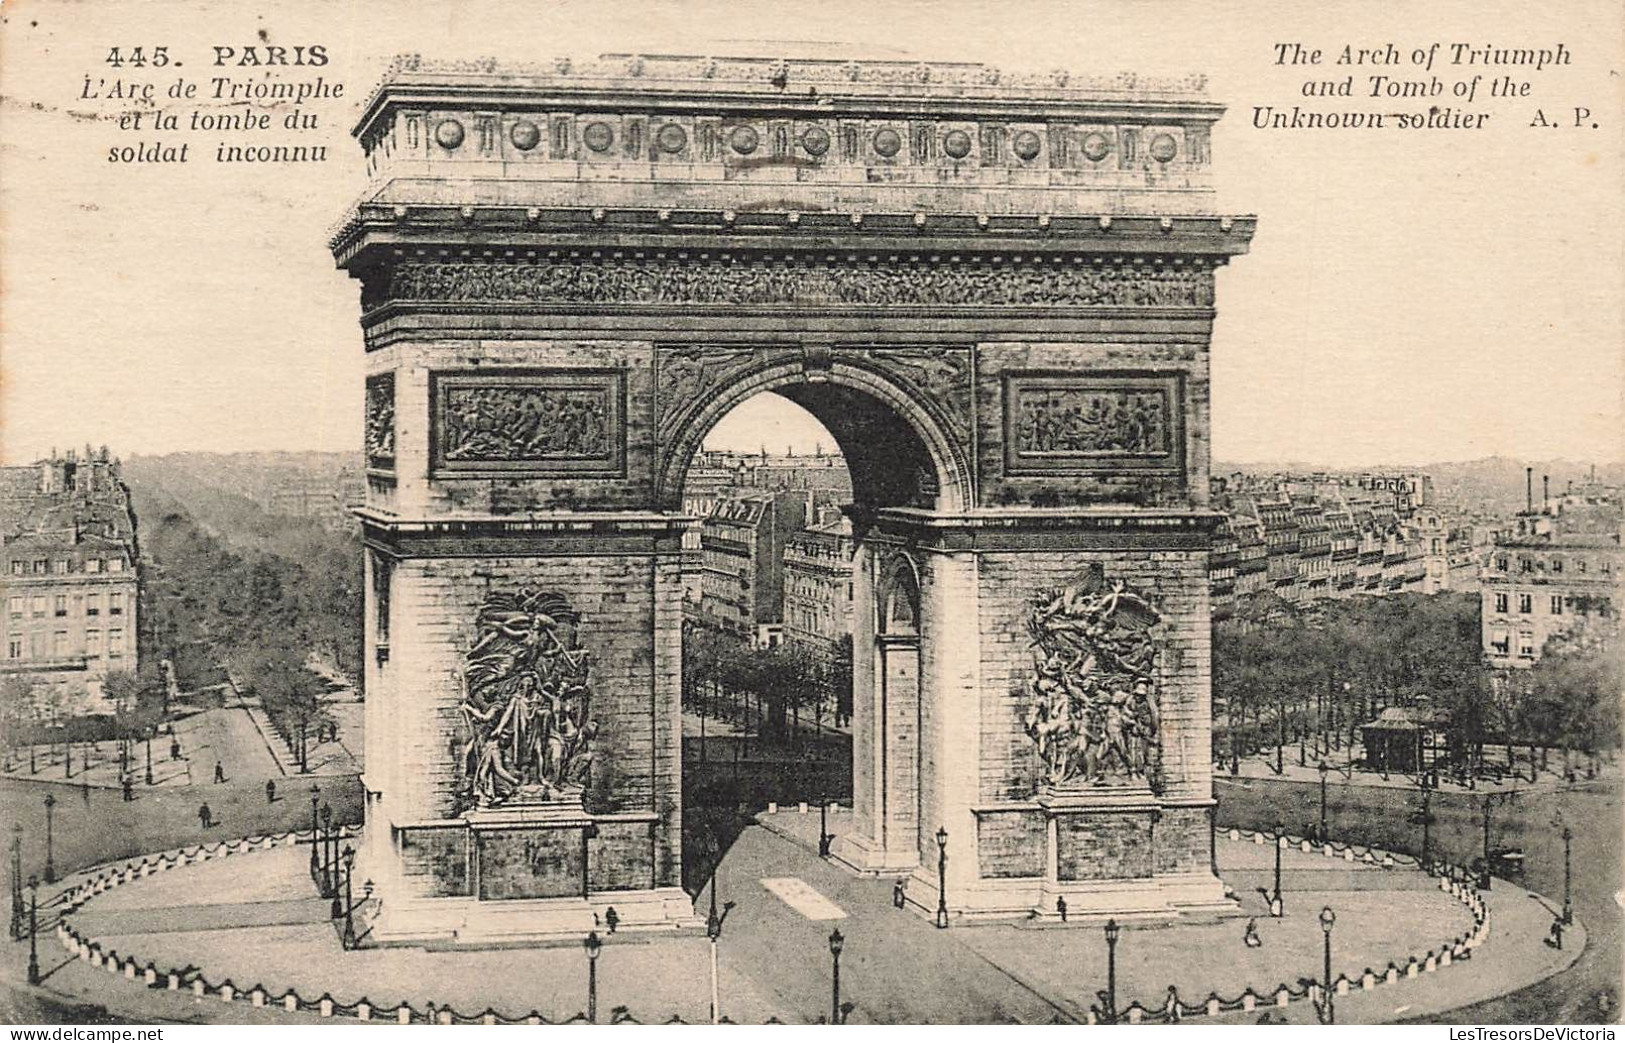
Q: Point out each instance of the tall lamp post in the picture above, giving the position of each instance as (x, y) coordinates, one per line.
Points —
(315, 832)
(149, 756)
(33, 931)
(1327, 919)
(330, 871)
(942, 876)
(713, 932)
(1568, 898)
(592, 945)
(824, 837)
(836, 942)
(17, 881)
(341, 898)
(50, 840)
(1427, 820)
(1324, 768)
(1112, 931)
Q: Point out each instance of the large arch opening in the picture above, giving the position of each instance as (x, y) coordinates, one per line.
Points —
(775, 684)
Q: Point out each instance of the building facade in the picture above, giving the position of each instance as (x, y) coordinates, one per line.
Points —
(818, 584)
(69, 577)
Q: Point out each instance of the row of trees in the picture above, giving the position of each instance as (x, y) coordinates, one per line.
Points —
(36, 712)
(1312, 675)
(727, 679)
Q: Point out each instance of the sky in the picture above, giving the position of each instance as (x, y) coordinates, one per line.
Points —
(1409, 296)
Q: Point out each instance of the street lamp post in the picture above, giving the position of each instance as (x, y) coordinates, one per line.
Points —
(17, 881)
(824, 838)
(592, 945)
(33, 931)
(835, 944)
(330, 869)
(1111, 971)
(315, 832)
(942, 876)
(149, 758)
(1327, 919)
(1568, 897)
(1213, 837)
(50, 840)
(1324, 768)
(1427, 820)
(341, 899)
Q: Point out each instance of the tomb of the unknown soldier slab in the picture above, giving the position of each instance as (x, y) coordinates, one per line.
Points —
(996, 292)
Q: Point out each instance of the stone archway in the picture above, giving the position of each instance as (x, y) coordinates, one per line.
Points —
(997, 294)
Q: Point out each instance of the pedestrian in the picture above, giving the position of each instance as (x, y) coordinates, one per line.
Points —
(205, 817)
(270, 791)
(84, 791)
(219, 773)
(1250, 938)
(174, 749)
(129, 787)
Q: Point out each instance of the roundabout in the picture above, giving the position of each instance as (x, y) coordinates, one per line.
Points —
(236, 930)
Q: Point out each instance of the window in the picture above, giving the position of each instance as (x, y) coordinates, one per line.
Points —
(115, 564)
(93, 644)
(1500, 602)
(17, 606)
(39, 606)
(1500, 642)
(115, 643)
(60, 605)
(1500, 564)
(1526, 645)
(1526, 564)
(1557, 604)
(14, 646)
(1526, 603)
(93, 564)
(60, 566)
(1557, 564)
(115, 603)
(59, 644)
(16, 567)
(93, 604)
(40, 566)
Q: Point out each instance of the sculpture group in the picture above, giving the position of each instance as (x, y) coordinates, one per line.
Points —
(1093, 710)
(526, 704)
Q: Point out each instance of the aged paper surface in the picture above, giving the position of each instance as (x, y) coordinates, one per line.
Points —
(504, 279)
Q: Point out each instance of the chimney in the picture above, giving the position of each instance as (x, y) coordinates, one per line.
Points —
(1545, 492)
(1528, 488)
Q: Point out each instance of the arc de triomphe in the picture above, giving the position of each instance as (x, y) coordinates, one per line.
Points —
(996, 292)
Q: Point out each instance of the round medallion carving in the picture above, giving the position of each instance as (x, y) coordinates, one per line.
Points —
(744, 140)
(448, 134)
(957, 144)
(1095, 147)
(888, 142)
(598, 136)
(1164, 148)
(672, 138)
(525, 135)
(1027, 145)
(815, 140)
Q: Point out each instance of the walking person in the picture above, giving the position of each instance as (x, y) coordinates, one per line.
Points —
(270, 791)
(205, 817)
(129, 788)
(219, 773)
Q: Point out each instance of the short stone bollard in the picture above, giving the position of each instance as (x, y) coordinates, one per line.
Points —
(1282, 997)
(1342, 985)
(1235, 834)
(1258, 838)
(227, 993)
(772, 807)
(1249, 1002)
(129, 970)
(198, 988)
(1212, 1006)
(1411, 968)
(174, 982)
(257, 998)
(290, 1002)
(1392, 976)
(488, 1018)
(802, 807)
(363, 1011)
(403, 1015)
(326, 1006)
(150, 977)
(1304, 847)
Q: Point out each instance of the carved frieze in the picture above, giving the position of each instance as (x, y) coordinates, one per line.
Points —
(528, 422)
(734, 282)
(1056, 423)
(1093, 704)
(379, 436)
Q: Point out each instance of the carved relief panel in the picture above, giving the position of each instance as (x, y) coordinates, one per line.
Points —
(1057, 423)
(379, 436)
(528, 423)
